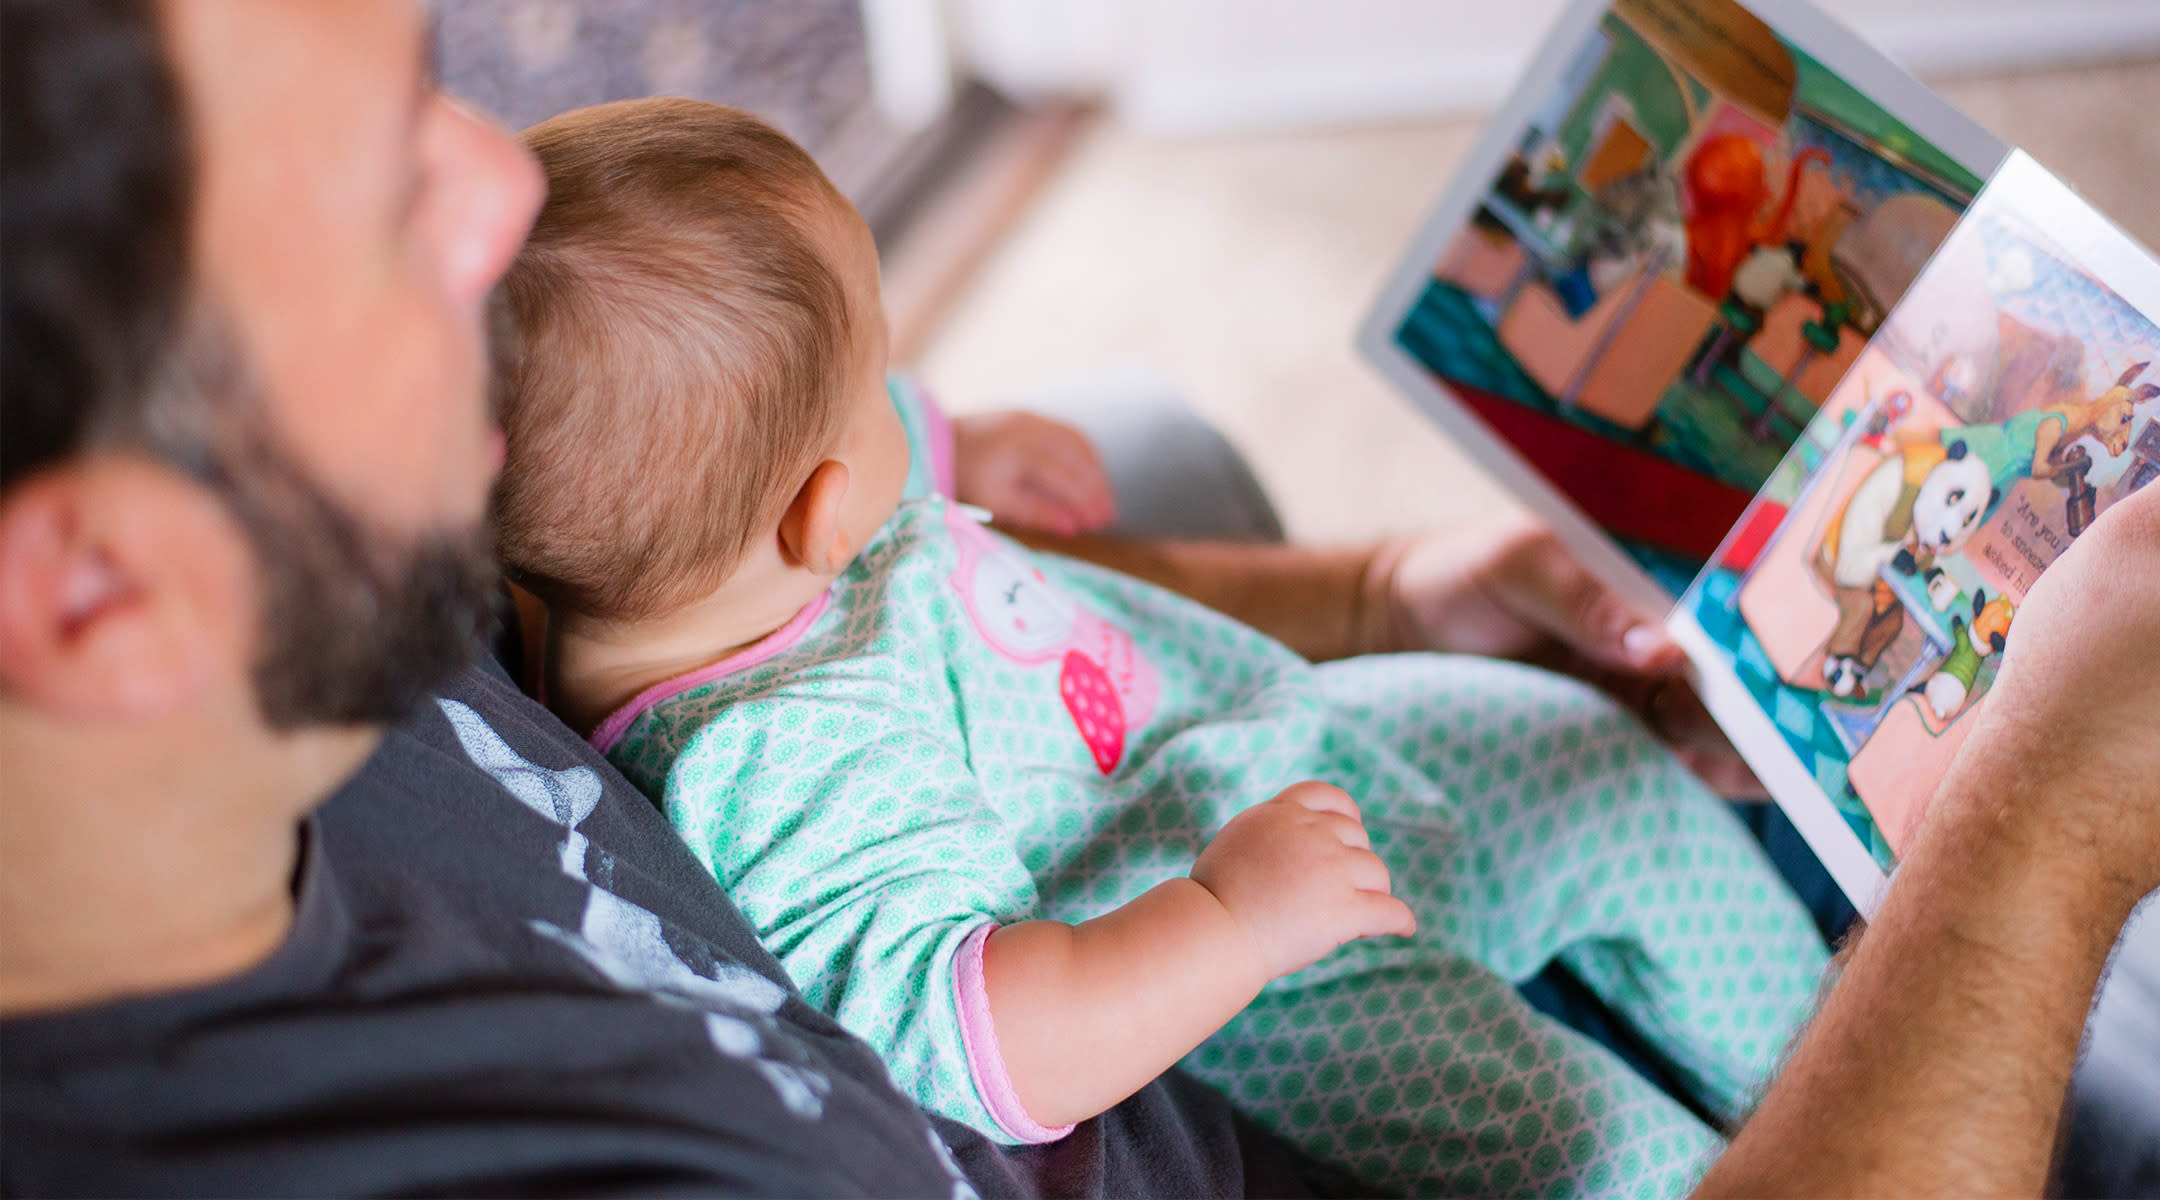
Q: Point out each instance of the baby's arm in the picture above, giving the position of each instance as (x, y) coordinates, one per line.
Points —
(1087, 1014)
(857, 841)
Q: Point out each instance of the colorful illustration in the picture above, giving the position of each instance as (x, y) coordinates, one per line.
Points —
(1865, 599)
(1694, 238)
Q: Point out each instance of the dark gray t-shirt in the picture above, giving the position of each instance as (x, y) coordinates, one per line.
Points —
(508, 976)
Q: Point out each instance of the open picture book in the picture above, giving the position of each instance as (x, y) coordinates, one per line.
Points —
(1786, 348)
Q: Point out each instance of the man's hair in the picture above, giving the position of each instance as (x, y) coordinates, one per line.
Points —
(98, 184)
(681, 359)
(107, 347)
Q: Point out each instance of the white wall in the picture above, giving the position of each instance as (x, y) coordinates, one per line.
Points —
(1212, 65)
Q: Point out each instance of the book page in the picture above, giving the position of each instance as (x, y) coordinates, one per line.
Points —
(1667, 249)
(1849, 629)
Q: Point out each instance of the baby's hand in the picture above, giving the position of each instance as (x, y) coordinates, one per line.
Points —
(1299, 874)
(1032, 472)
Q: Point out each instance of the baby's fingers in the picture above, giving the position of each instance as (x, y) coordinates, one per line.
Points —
(1378, 912)
(1028, 508)
(1348, 830)
(1321, 797)
(1073, 517)
(1067, 461)
(1086, 498)
(1086, 475)
(1365, 871)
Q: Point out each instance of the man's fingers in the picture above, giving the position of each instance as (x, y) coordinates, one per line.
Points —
(1675, 713)
(1546, 587)
(1678, 716)
(1609, 631)
(1670, 708)
(1724, 772)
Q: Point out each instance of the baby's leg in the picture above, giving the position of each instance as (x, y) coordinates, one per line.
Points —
(1435, 1078)
(1573, 834)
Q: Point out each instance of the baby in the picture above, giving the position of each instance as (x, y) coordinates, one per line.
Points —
(1038, 831)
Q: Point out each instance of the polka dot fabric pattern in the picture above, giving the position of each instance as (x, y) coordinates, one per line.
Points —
(1435, 1078)
(1414, 1063)
(900, 776)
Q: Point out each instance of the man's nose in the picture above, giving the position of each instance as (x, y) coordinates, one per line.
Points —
(504, 188)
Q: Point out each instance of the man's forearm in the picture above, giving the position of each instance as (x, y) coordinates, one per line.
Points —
(1324, 603)
(1940, 1060)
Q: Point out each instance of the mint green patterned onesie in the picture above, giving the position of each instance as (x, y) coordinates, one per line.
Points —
(963, 734)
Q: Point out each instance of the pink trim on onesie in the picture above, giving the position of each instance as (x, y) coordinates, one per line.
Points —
(986, 1063)
(937, 427)
(618, 722)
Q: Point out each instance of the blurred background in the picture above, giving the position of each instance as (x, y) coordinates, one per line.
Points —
(1215, 189)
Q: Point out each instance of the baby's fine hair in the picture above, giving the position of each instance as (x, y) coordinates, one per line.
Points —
(680, 353)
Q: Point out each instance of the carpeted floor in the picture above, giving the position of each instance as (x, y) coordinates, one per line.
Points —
(1239, 268)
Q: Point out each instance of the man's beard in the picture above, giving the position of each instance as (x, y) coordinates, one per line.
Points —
(357, 624)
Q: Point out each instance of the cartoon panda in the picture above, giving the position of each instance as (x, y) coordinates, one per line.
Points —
(1919, 504)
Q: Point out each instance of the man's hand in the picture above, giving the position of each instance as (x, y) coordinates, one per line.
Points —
(1511, 590)
(1939, 1062)
(2077, 702)
(1031, 472)
(1298, 874)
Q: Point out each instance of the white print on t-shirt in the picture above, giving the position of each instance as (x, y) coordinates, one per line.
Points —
(961, 1188)
(564, 797)
(625, 943)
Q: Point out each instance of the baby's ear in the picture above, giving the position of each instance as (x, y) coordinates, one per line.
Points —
(813, 533)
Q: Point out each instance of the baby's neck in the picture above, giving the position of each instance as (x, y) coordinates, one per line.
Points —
(593, 666)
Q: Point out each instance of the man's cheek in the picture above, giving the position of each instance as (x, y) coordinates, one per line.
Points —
(445, 382)
(429, 457)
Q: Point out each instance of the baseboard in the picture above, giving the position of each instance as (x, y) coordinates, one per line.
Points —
(1425, 81)
(973, 200)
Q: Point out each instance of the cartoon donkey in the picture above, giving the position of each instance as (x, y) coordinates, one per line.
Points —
(2037, 443)
(1946, 690)
(2107, 418)
(2040, 443)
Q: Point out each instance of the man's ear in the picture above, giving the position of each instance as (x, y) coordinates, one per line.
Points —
(813, 531)
(126, 591)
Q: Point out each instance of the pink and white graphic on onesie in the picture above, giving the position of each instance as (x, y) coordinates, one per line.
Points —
(1107, 687)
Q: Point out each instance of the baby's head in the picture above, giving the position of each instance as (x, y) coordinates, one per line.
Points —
(698, 398)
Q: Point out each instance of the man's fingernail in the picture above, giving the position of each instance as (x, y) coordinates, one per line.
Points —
(1641, 641)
